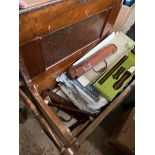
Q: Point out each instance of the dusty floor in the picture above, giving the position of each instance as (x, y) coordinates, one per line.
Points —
(33, 141)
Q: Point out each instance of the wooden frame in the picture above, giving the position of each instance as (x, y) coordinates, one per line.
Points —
(38, 75)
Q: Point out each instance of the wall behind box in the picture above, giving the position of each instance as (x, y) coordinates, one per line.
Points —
(125, 19)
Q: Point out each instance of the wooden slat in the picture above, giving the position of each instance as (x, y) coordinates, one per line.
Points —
(31, 54)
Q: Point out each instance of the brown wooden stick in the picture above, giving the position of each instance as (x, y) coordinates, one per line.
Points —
(56, 98)
(64, 104)
(66, 108)
(124, 77)
(117, 85)
(102, 80)
(118, 73)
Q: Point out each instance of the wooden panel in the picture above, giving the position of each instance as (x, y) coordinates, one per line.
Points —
(51, 18)
(32, 57)
(62, 43)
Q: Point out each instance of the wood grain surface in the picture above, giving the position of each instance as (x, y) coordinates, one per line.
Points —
(51, 18)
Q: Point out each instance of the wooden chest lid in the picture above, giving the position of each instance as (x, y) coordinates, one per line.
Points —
(52, 32)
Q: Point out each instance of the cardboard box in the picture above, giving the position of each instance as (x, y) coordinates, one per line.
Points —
(125, 19)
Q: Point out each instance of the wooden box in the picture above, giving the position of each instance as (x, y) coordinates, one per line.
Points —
(53, 35)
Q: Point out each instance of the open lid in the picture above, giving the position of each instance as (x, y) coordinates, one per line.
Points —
(53, 31)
